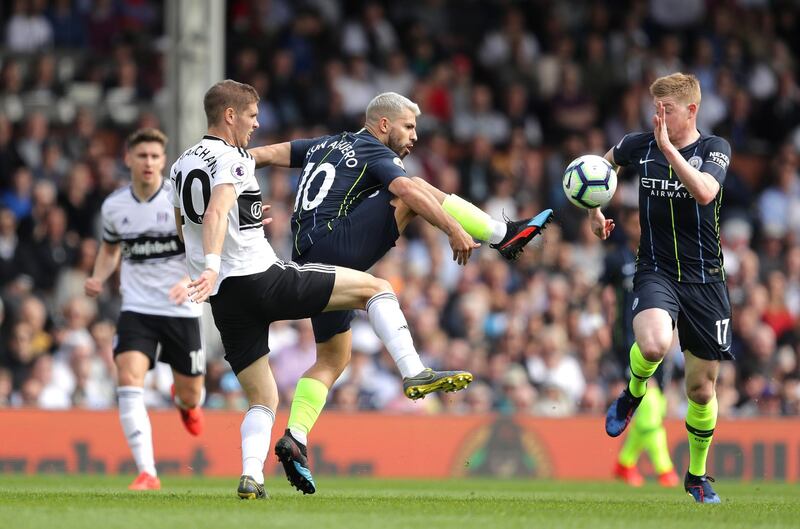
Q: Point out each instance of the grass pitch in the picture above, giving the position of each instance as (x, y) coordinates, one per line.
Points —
(66, 502)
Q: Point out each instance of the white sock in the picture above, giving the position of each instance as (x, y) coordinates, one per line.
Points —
(136, 427)
(256, 430)
(499, 230)
(391, 327)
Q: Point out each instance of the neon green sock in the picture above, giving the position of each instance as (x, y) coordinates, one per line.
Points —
(649, 423)
(631, 448)
(651, 411)
(657, 448)
(649, 415)
(474, 221)
(641, 370)
(309, 399)
(700, 422)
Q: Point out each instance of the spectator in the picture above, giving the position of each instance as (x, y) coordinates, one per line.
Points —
(28, 29)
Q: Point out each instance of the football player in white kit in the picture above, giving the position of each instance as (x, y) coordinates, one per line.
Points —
(139, 228)
(218, 206)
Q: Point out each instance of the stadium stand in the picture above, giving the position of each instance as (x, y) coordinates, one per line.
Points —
(509, 95)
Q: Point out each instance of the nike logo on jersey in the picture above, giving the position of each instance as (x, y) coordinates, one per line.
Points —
(726, 349)
(642, 162)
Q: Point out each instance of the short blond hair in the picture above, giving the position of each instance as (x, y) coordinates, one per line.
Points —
(683, 87)
(227, 94)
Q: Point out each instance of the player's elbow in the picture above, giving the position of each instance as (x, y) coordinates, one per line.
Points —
(402, 187)
(705, 199)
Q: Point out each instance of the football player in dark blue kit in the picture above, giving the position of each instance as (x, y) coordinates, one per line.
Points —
(353, 201)
(680, 278)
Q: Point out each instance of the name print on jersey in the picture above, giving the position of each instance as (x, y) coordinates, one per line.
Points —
(204, 153)
(344, 147)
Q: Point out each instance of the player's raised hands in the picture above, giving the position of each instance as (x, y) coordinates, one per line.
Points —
(462, 244)
(200, 289)
(601, 226)
(660, 127)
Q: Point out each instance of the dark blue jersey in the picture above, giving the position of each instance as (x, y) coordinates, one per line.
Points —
(338, 173)
(680, 237)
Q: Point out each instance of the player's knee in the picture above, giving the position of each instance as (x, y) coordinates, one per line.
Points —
(129, 377)
(700, 392)
(377, 286)
(189, 395)
(654, 347)
(269, 401)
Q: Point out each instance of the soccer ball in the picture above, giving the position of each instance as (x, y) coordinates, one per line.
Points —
(590, 181)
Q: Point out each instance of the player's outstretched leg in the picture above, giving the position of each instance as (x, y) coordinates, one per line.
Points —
(699, 488)
(250, 489)
(391, 326)
(294, 458)
(520, 232)
(428, 381)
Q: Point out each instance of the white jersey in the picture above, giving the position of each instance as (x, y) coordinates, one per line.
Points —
(152, 254)
(202, 166)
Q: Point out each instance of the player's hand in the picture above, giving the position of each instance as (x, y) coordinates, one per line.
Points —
(179, 292)
(462, 244)
(200, 289)
(264, 209)
(660, 128)
(601, 226)
(92, 287)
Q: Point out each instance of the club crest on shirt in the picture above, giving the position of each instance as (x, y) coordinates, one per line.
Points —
(399, 163)
(696, 162)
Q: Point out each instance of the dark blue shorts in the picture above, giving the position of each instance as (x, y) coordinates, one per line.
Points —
(358, 242)
(701, 311)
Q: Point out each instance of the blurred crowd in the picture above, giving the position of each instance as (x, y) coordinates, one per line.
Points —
(510, 93)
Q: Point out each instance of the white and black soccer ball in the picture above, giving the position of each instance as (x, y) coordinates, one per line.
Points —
(590, 181)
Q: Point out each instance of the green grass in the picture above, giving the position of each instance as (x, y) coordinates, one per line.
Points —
(103, 502)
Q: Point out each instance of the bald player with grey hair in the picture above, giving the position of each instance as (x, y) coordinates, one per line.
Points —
(353, 201)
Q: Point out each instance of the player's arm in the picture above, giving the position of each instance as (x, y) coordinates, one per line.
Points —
(215, 225)
(105, 263)
(421, 202)
(701, 185)
(601, 226)
(277, 154)
(179, 223)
